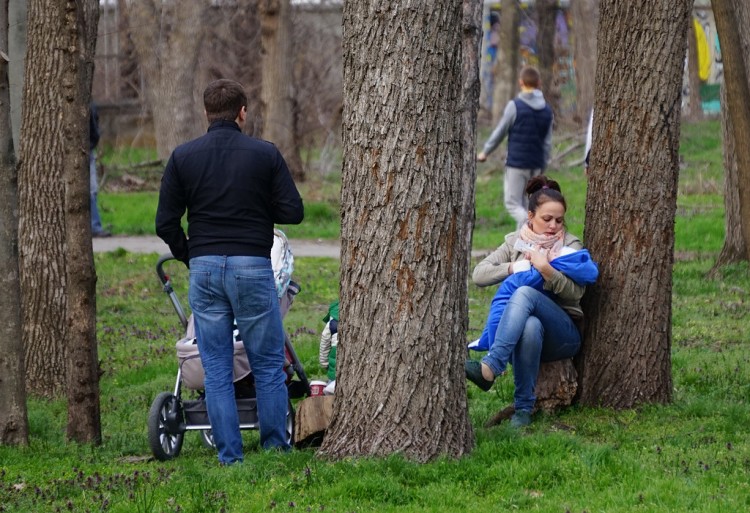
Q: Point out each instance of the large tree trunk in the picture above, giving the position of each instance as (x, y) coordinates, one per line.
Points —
(14, 425)
(41, 231)
(631, 202)
(506, 64)
(733, 26)
(82, 360)
(545, 43)
(400, 383)
(279, 123)
(167, 38)
(585, 15)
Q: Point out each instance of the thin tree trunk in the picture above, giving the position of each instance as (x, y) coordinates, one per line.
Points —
(585, 15)
(167, 38)
(631, 202)
(82, 360)
(17, 52)
(733, 27)
(400, 383)
(695, 108)
(14, 425)
(545, 42)
(279, 123)
(735, 248)
(506, 63)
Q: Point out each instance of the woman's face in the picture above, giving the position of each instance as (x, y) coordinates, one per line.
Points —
(548, 218)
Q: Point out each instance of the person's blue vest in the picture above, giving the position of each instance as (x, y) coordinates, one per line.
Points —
(526, 136)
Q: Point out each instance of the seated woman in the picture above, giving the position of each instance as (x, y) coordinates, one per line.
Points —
(540, 319)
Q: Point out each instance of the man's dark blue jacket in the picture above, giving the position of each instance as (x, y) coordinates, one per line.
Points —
(234, 188)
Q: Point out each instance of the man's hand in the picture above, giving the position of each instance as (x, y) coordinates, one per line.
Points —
(481, 156)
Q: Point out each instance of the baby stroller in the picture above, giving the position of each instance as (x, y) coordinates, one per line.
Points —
(170, 416)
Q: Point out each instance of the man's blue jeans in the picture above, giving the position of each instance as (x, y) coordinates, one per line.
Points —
(222, 289)
(532, 329)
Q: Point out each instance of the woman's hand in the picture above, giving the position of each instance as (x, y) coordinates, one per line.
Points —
(541, 263)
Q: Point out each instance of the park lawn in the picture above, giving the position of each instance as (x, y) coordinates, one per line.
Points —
(690, 455)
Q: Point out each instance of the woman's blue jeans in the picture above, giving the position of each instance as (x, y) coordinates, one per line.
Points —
(532, 329)
(222, 289)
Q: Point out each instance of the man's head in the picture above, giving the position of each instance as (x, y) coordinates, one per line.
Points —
(224, 99)
(530, 77)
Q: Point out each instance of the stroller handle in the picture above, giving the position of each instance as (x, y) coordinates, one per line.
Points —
(166, 257)
(165, 281)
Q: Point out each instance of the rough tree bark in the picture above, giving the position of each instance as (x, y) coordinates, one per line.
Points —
(80, 27)
(631, 202)
(585, 15)
(400, 383)
(14, 425)
(41, 229)
(506, 64)
(733, 26)
(167, 38)
(279, 123)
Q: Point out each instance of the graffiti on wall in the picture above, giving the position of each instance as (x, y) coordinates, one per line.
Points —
(527, 31)
(711, 68)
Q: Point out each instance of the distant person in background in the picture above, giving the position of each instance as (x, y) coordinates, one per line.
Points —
(527, 122)
(96, 221)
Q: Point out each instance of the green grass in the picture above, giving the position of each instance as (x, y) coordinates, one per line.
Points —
(690, 455)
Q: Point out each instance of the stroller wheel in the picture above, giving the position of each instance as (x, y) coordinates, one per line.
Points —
(207, 439)
(165, 426)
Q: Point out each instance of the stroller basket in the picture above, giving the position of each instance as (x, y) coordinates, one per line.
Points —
(196, 413)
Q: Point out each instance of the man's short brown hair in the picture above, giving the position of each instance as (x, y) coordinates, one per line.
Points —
(223, 99)
(530, 77)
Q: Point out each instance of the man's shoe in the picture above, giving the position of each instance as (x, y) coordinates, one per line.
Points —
(521, 418)
(101, 234)
(473, 371)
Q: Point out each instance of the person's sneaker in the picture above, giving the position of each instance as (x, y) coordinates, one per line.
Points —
(473, 371)
(101, 234)
(521, 418)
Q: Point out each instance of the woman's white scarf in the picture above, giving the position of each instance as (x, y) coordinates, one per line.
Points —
(550, 244)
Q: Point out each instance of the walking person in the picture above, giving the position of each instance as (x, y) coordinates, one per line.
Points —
(527, 123)
(234, 188)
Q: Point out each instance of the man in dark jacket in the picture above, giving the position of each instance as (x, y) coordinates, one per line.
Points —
(234, 189)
